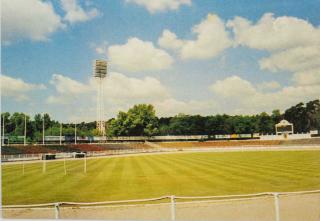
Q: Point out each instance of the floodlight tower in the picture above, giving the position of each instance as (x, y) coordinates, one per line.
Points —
(99, 73)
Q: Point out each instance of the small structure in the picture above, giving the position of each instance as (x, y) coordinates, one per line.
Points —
(284, 127)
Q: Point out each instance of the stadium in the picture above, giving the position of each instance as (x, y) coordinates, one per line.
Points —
(199, 177)
(117, 170)
(126, 168)
(160, 110)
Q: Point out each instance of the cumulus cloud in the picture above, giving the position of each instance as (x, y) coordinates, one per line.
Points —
(16, 88)
(160, 5)
(169, 40)
(233, 86)
(309, 77)
(172, 106)
(303, 62)
(75, 13)
(137, 55)
(32, 19)
(118, 88)
(293, 43)
(67, 89)
(211, 39)
(271, 33)
(121, 93)
(243, 97)
(295, 59)
(268, 85)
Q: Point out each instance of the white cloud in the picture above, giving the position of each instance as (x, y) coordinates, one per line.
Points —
(65, 84)
(121, 93)
(241, 96)
(211, 39)
(160, 5)
(32, 19)
(67, 90)
(75, 13)
(137, 55)
(293, 43)
(303, 62)
(171, 107)
(16, 88)
(118, 90)
(309, 77)
(169, 40)
(268, 85)
(295, 59)
(120, 87)
(272, 33)
(233, 86)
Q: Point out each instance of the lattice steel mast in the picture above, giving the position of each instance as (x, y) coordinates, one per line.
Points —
(99, 73)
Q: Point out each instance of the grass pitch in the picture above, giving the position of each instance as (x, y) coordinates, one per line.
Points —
(146, 176)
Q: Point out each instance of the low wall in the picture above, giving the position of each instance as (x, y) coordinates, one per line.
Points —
(283, 137)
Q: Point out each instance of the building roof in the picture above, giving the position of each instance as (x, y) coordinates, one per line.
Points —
(283, 123)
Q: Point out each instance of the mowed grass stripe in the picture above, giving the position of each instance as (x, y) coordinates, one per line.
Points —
(101, 179)
(189, 174)
(80, 180)
(52, 181)
(258, 168)
(168, 177)
(245, 170)
(256, 176)
(147, 176)
(225, 169)
(226, 177)
(141, 174)
(160, 177)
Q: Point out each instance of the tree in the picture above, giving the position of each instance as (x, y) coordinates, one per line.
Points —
(5, 120)
(140, 120)
(37, 122)
(17, 121)
(47, 121)
(276, 116)
(265, 123)
(179, 125)
(243, 125)
(298, 116)
(313, 113)
(164, 126)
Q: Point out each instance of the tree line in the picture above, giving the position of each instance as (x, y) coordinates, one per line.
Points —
(141, 120)
(13, 126)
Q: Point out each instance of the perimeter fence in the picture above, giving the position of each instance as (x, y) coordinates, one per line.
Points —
(284, 206)
(62, 155)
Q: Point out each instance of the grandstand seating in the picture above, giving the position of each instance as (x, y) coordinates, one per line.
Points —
(34, 149)
(29, 149)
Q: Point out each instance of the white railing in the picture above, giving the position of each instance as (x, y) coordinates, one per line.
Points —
(61, 155)
(173, 204)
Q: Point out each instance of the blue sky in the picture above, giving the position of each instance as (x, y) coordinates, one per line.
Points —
(194, 57)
